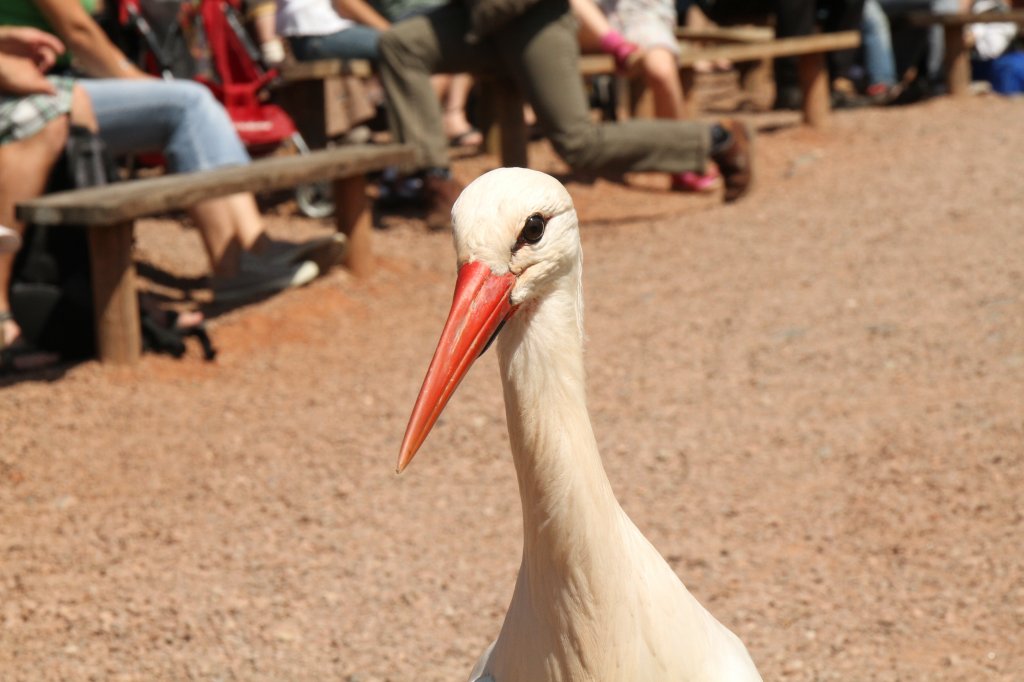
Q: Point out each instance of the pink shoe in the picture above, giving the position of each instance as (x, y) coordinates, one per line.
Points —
(695, 182)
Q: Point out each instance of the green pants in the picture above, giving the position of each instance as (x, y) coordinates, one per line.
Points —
(538, 50)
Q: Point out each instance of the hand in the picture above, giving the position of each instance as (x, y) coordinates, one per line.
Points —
(22, 76)
(22, 41)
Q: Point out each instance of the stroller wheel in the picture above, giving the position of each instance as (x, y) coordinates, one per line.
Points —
(315, 200)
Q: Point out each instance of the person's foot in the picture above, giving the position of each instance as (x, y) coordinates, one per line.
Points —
(325, 251)
(16, 353)
(735, 159)
(257, 277)
(697, 183)
(440, 193)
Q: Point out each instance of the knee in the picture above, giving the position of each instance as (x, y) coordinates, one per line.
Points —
(52, 139)
(82, 113)
(574, 147)
(660, 66)
(193, 97)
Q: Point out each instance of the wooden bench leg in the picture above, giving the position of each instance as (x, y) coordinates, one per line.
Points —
(352, 217)
(755, 79)
(505, 133)
(688, 80)
(958, 62)
(814, 84)
(115, 302)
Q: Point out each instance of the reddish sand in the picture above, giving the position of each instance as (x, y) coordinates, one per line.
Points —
(812, 402)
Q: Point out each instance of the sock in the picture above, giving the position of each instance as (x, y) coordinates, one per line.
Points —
(720, 139)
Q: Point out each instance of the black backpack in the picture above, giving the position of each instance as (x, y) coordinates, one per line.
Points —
(51, 288)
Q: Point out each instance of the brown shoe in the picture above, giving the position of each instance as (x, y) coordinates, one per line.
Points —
(440, 194)
(736, 162)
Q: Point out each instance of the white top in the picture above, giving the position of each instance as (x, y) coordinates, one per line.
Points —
(309, 18)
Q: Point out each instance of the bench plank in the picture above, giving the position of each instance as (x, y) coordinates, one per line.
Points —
(113, 204)
(957, 58)
(925, 18)
(602, 64)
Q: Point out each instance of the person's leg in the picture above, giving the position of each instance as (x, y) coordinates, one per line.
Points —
(792, 18)
(457, 127)
(24, 170)
(355, 42)
(541, 50)
(410, 53)
(662, 73)
(25, 167)
(879, 61)
(182, 119)
(228, 225)
(842, 15)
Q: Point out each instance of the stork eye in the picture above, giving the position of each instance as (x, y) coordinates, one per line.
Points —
(533, 229)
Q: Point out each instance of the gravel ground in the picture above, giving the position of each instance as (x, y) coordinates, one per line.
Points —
(811, 401)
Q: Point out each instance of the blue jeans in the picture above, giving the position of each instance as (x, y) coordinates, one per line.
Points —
(355, 42)
(879, 60)
(179, 118)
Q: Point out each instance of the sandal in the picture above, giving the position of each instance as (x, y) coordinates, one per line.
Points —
(469, 139)
(165, 331)
(19, 355)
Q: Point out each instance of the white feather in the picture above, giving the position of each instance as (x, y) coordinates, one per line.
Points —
(594, 600)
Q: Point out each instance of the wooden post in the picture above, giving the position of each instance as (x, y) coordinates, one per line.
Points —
(352, 217)
(514, 135)
(115, 304)
(957, 61)
(754, 80)
(688, 80)
(814, 83)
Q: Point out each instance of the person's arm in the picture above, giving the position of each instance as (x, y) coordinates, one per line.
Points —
(25, 41)
(361, 11)
(591, 17)
(21, 76)
(93, 51)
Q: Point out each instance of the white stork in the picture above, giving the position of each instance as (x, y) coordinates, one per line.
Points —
(594, 600)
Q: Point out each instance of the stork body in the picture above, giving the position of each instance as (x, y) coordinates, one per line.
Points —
(594, 601)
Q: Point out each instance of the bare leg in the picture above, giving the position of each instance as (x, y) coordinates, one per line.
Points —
(454, 104)
(662, 75)
(228, 226)
(24, 169)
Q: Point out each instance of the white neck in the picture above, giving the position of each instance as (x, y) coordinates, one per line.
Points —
(573, 527)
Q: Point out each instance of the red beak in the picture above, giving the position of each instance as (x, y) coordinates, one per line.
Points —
(480, 306)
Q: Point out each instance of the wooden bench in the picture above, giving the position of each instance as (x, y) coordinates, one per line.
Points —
(957, 58)
(109, 213)
(324, 97)
(507, 135)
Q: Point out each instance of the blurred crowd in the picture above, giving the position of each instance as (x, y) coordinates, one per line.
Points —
(129, 78)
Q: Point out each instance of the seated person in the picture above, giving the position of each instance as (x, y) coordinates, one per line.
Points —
(641, 35)
(537, 47)
(137, 113)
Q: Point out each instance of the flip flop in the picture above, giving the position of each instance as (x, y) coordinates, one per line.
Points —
(471, 138)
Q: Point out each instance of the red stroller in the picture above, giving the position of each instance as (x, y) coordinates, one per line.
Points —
(210, 35)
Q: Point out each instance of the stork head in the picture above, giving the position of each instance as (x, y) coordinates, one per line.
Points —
(516, 234)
